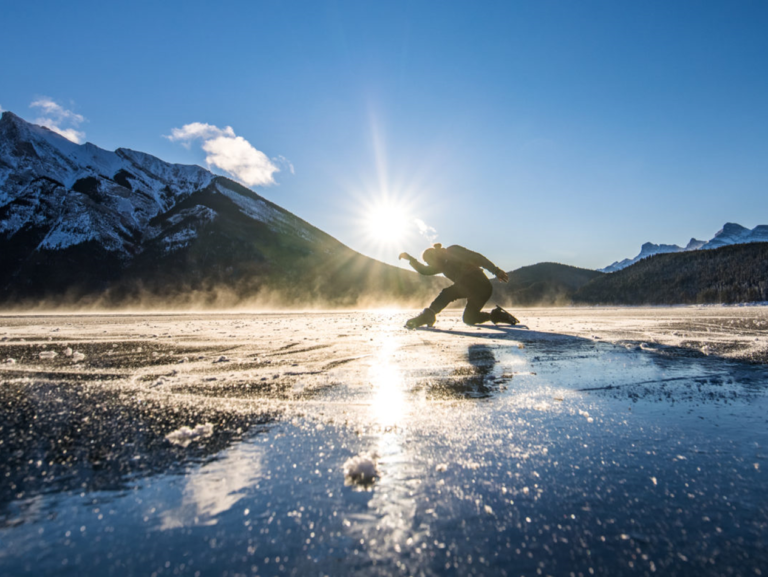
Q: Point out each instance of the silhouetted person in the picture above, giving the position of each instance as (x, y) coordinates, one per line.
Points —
(463, 267)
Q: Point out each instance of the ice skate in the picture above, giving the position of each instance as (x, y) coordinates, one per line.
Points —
(500, 316)
(426, 317)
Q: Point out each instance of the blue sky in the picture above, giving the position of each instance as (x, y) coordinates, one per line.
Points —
(529, 131)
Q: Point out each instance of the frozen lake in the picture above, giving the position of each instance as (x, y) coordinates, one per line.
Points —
(597, 442)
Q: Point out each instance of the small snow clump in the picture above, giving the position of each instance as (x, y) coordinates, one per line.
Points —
(68, 352)
(77, 356)
(185, 435)
(361, 470)
(48, 355)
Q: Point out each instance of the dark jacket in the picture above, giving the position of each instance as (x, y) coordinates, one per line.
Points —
(456, 262)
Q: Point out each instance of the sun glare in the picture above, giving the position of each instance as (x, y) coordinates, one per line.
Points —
(387, 223)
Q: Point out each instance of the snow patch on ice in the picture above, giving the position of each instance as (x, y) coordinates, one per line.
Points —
(361, 470)
(186, 435)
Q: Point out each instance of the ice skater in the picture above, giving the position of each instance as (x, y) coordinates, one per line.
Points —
(463, 267)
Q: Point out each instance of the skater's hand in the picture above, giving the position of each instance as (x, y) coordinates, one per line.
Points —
(405, 255)
(502, 276)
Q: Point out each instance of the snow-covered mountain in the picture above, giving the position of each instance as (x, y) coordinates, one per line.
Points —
(75, 193)
(81, 220)
(731, 233)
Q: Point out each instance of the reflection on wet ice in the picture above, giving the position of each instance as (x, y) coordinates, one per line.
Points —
(214, 488)
(393, 410)
(388, 404)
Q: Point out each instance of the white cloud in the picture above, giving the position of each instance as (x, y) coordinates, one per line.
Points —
(189, 132)
(229, 152)
(59, 119)
(425, 230)
(283, 161)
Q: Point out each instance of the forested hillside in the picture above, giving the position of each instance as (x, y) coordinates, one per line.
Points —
(542, 284)
(731, 274)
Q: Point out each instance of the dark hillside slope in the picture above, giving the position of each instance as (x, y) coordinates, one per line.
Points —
(542, 284)
(730, 274)
(238, 259)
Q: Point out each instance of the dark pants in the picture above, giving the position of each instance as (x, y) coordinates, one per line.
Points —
(476, 288)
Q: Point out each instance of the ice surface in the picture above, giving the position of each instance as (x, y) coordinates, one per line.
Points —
(569, 453)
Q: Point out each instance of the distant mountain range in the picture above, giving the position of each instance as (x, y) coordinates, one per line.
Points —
(84, 226)
(80, 224)
(730, 274)
(730, 234)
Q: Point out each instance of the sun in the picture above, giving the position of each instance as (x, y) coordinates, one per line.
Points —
(387, 222)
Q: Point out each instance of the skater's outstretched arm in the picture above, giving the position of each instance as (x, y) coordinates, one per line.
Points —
(478, 260)
(417, 266)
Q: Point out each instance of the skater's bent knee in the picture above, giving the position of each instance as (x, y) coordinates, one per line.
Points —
(474, 318)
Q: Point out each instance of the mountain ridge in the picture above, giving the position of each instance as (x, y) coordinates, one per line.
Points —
(83, 224)
(730, 234)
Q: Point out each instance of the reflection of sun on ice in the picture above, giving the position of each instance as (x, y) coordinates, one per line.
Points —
(389, 403)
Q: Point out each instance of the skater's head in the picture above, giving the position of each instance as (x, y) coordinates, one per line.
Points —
(429, 256)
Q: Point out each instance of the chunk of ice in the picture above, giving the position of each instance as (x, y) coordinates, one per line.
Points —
(77, 356)
(361, 470)
(185, 435)
(48, 355)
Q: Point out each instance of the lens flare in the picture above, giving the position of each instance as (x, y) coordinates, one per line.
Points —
(387, 223)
